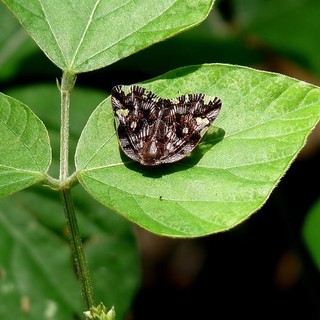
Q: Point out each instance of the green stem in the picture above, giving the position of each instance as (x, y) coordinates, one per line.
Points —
(77, 249)
(67, 84)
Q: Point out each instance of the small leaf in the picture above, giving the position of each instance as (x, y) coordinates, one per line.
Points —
(100, 312)
(264, 122)
(84, 36)
(311, 234)
(25, 152)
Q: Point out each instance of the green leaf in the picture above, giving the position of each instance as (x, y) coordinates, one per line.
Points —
(25, 152)
(37, 279)
(311, 234)
(93, 34)
(264, 122)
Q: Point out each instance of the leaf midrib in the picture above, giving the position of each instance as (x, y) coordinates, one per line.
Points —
(121, 39)
(84, 32)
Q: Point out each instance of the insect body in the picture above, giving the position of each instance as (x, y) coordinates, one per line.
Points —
(153, 130)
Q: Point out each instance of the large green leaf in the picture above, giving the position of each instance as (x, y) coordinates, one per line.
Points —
(25, 152)
(264, 122)
(89, 35)
(37, 279)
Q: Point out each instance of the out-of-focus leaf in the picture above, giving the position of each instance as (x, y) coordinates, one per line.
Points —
(37, 280)
(311, 234)
(15, 44)
(289, 26)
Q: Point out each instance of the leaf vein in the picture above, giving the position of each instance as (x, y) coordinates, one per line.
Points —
(85, 31)
(51, 29)
(32, 156)
(124, 37)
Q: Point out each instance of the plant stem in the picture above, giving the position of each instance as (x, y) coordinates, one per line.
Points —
(77, 249)
(67, 84)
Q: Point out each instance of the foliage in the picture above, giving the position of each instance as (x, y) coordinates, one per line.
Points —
(264, 123)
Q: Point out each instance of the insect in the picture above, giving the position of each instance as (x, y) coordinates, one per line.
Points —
(155, 131)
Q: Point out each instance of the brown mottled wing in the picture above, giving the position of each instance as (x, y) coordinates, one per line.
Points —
(137, 110)
(154, 131)
(186, 119)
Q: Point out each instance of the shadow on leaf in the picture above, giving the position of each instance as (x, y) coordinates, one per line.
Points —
(212, 137)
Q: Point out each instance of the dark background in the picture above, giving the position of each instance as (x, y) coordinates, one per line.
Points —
(261, 269)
